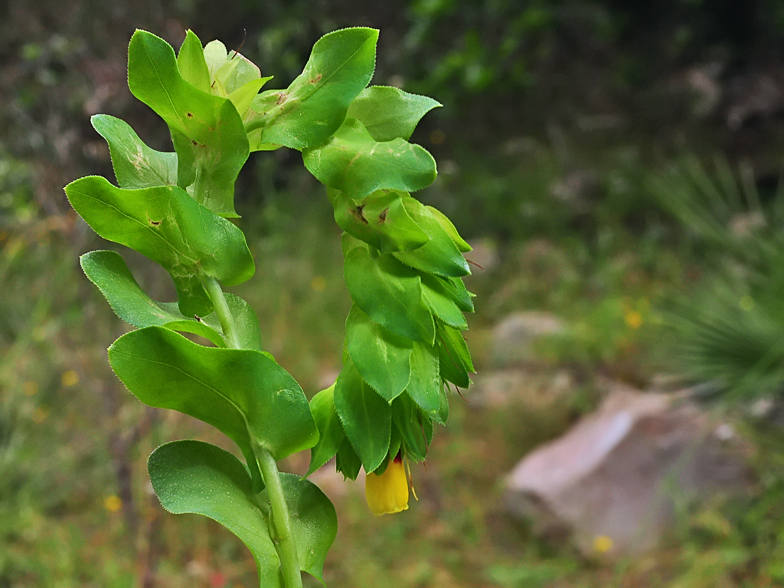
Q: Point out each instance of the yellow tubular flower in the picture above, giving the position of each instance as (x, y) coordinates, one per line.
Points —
(388, 493)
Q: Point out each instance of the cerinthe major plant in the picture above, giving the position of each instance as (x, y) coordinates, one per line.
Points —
(403, 269)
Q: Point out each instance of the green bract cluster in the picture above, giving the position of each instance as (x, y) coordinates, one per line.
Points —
(403, 269)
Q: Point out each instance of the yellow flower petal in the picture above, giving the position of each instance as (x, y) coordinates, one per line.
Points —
(388, 493)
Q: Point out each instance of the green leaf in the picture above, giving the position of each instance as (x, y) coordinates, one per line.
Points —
(314, 105)
(135, 164)
(169, 227)
(442, 416)
(408, 419)
(425, 384)
(347, 461)
(243, 96)
(354, 162)
(454, 357)
(366, 417)
(314, 522)
(450, 229)
(206, 130)
(192, 477)
(380, 220)
(381, 357)
(191, 63)
(389, 293)
(246, 325)
(454, 288)
(243, 393)
(109, 272)
(389, 113)
(440, 255)
(441, 304)
(331, 433)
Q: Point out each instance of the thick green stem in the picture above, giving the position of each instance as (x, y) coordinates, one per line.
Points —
(281, 523)
(215, 292)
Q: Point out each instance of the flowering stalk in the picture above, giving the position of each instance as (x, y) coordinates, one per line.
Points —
(403, 269)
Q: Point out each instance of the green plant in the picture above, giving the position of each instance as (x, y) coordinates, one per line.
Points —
(729, 329)
(403, 266)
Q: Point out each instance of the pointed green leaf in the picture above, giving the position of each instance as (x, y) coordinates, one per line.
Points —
(454, 357)
(243, 393)
(109, 272)
(440, 255)
(192, 477)
(381, 220)
(237, 72)
(244, 95)
(454, 288)
(347, 461)
(425, 384)
(206, 130)
(381, 357)
(389, 293)
(135, 164)
(191, 64)
(170, 228)
(354, 162)
(408, 419)
(314, 105)
(390, 113)
(314, 522)
(366, 417)
(450, 229)
(441, 305)
(331, 434)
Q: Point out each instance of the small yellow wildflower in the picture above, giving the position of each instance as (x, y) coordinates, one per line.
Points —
(112, 503)
(388, 493)
(633, 319)
(602, 544)
(69, 378)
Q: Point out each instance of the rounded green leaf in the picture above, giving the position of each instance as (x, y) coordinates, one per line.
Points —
(331, 433)
(191, 63)
(192, 477)
(169, 227)
(135, 164)
(440, 255)
(206, 130)
(380, 220)
(366, 417)
(243, 393)
(354, 162)
(381, 357)
(314, 522)
(109, 272)
(389, 293)
(390, 113)
(314, 105)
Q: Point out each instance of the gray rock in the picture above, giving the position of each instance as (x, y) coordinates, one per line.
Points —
(612, 481)
(513, 338)
(519, 387)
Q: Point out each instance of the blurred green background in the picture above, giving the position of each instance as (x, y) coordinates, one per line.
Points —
(616, 163)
